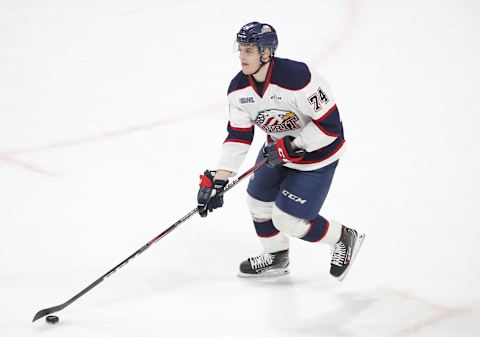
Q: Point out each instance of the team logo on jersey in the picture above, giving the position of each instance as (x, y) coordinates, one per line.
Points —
(244, 100)
(277, 121)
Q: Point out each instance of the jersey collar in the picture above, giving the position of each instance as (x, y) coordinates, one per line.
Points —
(267, 79)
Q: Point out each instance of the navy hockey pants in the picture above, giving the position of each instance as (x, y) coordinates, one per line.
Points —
(298, 193)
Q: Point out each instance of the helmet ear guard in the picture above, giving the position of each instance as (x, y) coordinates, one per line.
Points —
(264, 48)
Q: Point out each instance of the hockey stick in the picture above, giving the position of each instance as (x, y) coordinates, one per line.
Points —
(47, 311)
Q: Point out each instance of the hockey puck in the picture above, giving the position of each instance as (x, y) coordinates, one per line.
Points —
(52, 319)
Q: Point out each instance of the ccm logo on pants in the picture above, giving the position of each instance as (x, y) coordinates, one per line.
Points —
(293, 197)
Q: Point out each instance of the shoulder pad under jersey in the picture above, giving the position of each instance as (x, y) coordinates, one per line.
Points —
(239, 82)
(289, 74)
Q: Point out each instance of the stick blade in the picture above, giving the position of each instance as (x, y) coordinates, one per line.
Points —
(47, 311)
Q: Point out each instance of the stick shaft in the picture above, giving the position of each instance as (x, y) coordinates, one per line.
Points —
(47, 311)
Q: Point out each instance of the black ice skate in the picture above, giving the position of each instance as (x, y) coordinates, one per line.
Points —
(345, 251)
(265, 265)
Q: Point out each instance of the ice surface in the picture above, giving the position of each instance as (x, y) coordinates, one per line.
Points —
(109, 110)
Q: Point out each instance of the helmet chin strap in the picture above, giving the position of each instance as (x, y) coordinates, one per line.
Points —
(262, 63)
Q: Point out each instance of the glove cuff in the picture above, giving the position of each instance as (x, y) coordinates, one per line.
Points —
(291, 155)
(219, 184)
(206, 179)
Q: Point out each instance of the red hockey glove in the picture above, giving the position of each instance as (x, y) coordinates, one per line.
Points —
(282, 152)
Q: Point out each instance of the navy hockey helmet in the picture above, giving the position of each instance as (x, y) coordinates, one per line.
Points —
(261, 34)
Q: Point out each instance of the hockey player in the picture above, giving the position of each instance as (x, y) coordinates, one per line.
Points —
(295, 108)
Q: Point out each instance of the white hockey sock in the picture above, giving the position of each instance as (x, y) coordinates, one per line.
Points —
(275, 243)
(333, 233)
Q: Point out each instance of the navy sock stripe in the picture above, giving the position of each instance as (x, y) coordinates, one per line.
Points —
(318, 229)
(265, 229)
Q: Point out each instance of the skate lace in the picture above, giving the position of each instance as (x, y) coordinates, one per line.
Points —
(338, 254)
(261, 261)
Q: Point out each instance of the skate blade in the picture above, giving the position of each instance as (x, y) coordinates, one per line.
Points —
(356, 248)
(269, 273)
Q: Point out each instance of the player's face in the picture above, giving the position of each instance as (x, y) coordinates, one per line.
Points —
(249, 58)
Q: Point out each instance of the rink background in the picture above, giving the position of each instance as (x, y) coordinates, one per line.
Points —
(110, 110)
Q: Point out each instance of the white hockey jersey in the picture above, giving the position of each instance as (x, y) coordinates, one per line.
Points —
(295, 102)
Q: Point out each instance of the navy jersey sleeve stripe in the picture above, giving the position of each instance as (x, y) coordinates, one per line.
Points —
(231, 140)
(330, 123)
(331, 110)
(324, 153)
(239, 135)
(239, 129)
